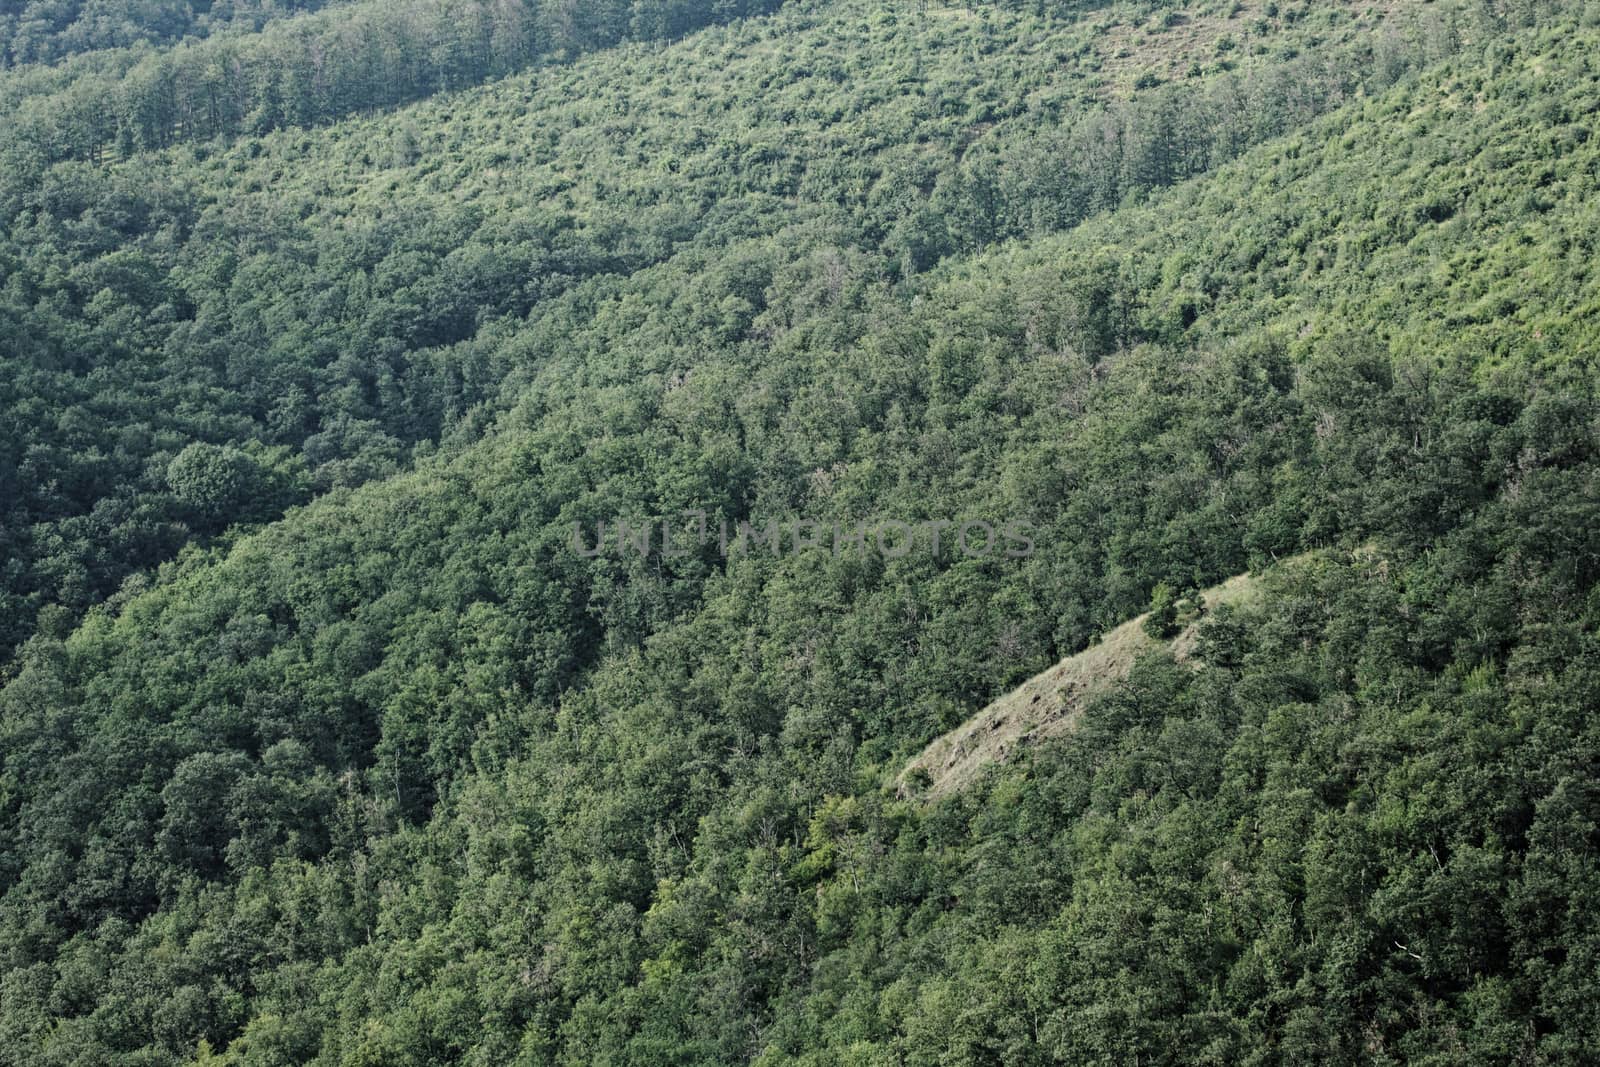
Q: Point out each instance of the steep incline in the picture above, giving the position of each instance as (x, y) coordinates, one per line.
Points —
(401, 778)
(311, 307)
(1049, 704)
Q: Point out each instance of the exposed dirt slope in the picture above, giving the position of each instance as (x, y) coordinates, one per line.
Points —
(1048, 704)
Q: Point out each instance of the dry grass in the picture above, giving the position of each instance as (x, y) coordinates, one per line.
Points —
(1050, 703)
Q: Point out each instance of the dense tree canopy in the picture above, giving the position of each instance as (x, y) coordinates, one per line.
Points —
(45, 31)
(353, 757)
(346, 295)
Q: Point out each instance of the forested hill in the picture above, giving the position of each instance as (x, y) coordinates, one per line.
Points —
(206, 335)
(357, 56)
(402, 777)
(47, 31)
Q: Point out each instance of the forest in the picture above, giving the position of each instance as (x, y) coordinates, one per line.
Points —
(323, 325)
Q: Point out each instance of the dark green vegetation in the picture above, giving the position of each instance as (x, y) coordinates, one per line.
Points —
(397, 777)
(355, 57)
(326, 301)
(46, 31)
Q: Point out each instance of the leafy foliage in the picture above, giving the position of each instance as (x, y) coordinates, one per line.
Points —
(45, 31)
(399, 776)
(351, 294)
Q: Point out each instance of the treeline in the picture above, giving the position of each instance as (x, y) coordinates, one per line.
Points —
(1172, 130)
(311, 70)
(1056, 177)
(47, 31)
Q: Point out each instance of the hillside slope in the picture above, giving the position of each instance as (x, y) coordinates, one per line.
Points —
(1050, 703)
(309, 308)
(403, 778)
